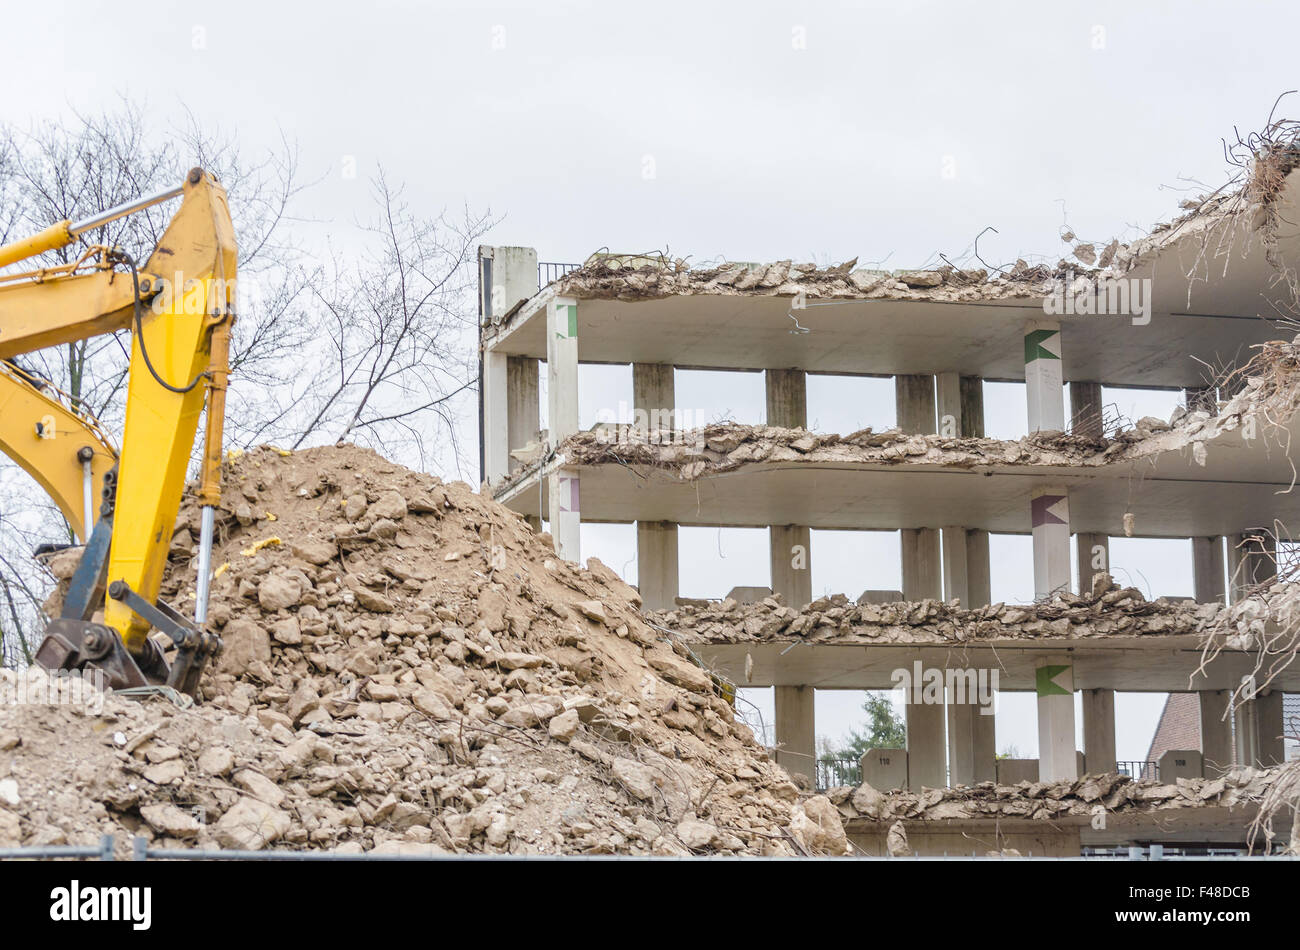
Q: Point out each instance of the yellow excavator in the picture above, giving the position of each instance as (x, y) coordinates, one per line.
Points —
(179, 307)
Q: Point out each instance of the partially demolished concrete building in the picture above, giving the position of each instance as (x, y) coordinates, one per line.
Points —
(1187, 308)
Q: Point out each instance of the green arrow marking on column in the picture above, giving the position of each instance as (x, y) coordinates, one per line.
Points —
(572, 327)
(1034, 348)
(1045, 681)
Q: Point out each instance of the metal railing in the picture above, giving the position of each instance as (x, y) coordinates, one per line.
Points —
(548, 271)
(141, 851)
(1138, 769)
(840, 770)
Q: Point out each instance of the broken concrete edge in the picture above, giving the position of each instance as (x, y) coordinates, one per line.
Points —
(1265, 406)
(1257, 624)
(1111, 794)
(1214, 226)
(1111, 612)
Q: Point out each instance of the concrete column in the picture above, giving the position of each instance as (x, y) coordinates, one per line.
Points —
(1056, 754)
(565, 514)
(790, 546)
(1245, 733)
(1093, 554)
(653, 392)
(796, 730)
(1216, 732)
(496, 417)
(523, 404)
(1259, 725)
(1268, 717)
(1044, 392)
(971, 750)
(978, 582)
(1099, 730)
(1207, 569)
(926, 749)
(562, 400)
(656, 564)
(562, 368)
(1085, 409)
(961, 740)
(914, 404)
(956, 574)
(922, 577)
(972, 407)
(791, 560)
(507, 276)
(948, 395)
(984, 738)
(787, 398)
(1050, 518)
(1252, 560)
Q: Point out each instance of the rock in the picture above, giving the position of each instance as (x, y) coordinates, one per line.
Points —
(315, 552)
(531, 712)
(305, 699)
(638, 779)
(922, 278)
(519, 661)
(687, 676)
(817, 826)
(259, 786)
(287, 632)
(376, 603)
(165, 773)
(245, 643)
(492, 610)
(867, 801)
(390, 505)
(278, 592)
(896, 841)
(564, 726)
(354, 507)
(216, 760)
(695, 834)
(250, 825)
(431, 704)
(593, 610)
(169, 820)
(11, 829)
(182, 544)
(9, 792)
(9, 740)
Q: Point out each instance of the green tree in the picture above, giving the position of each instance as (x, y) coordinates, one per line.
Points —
(884, 730)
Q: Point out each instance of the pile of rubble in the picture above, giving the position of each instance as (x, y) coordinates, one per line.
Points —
(727, 446)
(1111, 793)
(1106, 612)
(407, 666)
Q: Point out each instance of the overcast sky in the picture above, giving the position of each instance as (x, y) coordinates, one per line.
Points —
(758, 131)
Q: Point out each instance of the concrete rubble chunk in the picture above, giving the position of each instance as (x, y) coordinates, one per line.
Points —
(250, 825)
(171, 821)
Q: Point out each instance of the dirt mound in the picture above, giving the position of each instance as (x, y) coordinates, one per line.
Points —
(407, 667)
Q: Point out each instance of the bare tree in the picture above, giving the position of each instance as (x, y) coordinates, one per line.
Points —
(49, 172)
(397, 333)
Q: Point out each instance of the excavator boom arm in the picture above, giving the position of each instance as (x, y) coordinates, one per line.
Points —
(179, 307)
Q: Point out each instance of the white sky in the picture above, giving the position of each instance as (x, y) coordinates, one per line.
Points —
(806, 130)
